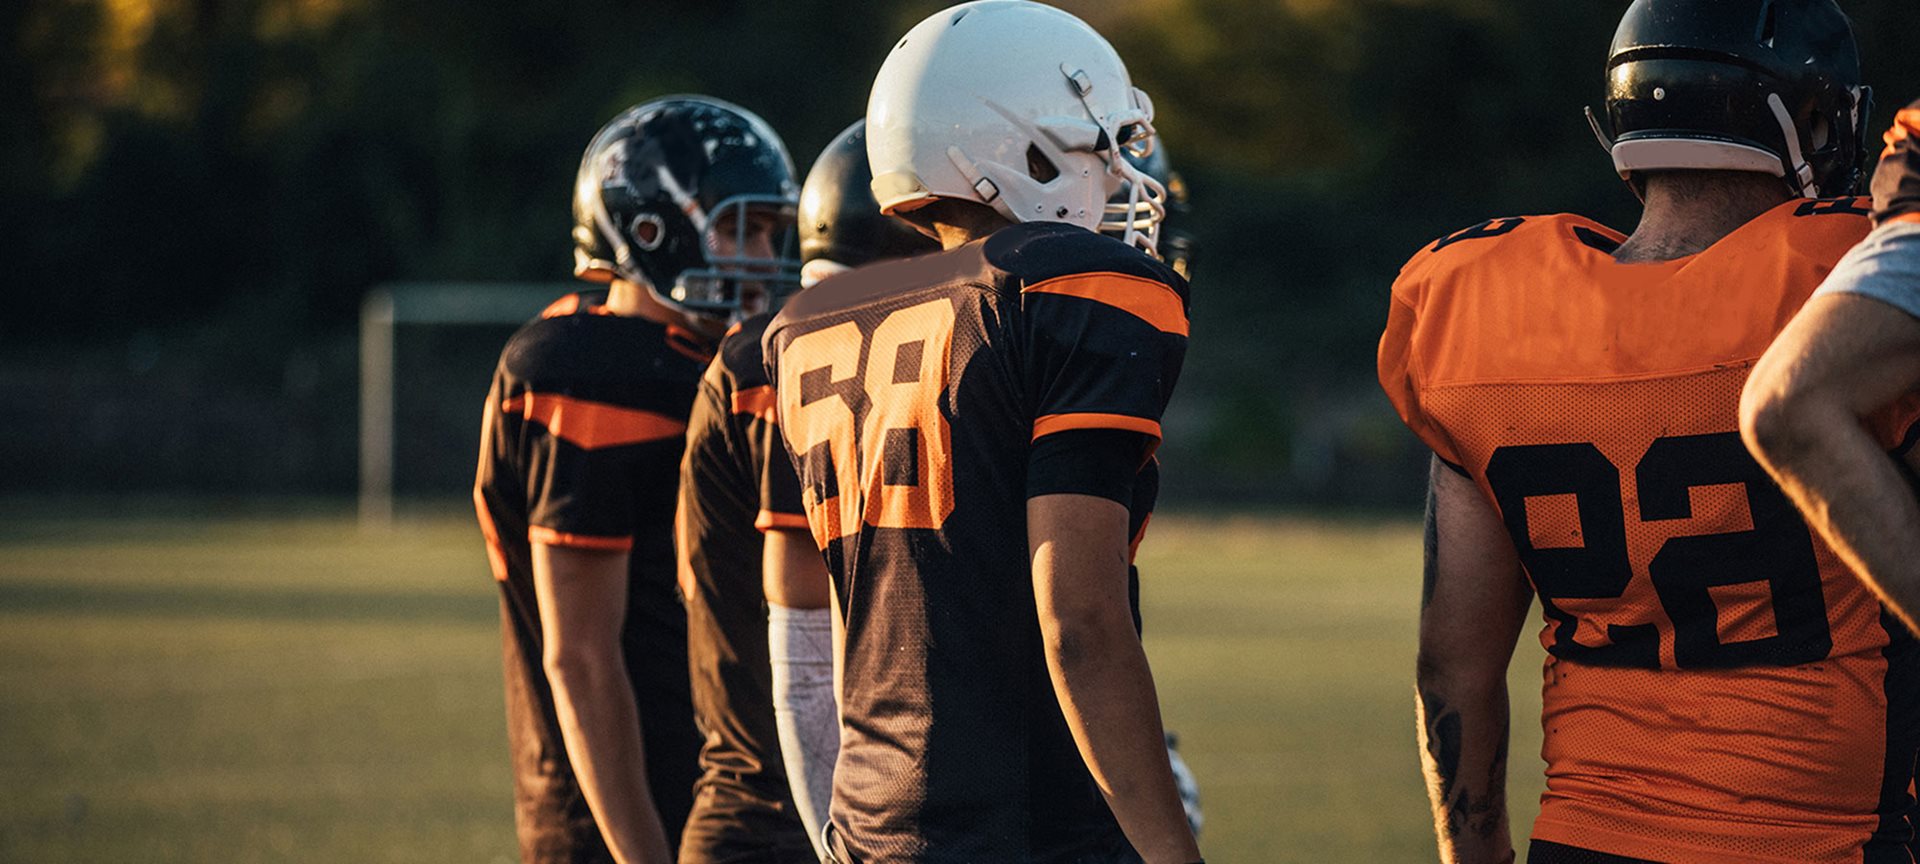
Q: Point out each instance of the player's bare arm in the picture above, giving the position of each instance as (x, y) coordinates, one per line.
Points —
(1099, 668)
(583, 604)
(1844, 357)
(1474, 600)
(804, 637)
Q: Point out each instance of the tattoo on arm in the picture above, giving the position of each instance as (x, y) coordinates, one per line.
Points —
(1466, 812)
(1431, 571)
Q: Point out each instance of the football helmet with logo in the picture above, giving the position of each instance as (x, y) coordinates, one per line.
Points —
(666, 184)
(1771, 86)
(1017, 106)
(841, 226)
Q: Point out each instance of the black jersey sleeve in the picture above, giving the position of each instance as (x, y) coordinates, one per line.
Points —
(1104, 351)
(578, 491)
(780, 505)
(1896, 184)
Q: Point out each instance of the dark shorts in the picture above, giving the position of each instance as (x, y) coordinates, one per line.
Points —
(1543, 852)
(732, 826)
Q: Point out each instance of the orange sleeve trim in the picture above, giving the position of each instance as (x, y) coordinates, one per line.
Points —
(758, 401)
(1146, 299)
(496, 553)
(1063, 422)
(1133, 548)
(1906, 124)
(550, 537)
(1904, 217)
(771, 521)
(593, 425)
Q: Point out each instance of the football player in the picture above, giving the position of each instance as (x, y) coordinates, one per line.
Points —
(736, 482)
(677, 206)
(996, 701)
(1832, 373)
(1718, 688)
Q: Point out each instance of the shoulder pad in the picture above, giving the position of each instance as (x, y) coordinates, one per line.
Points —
(1033, 252)
(1514, 235)
(740, 352)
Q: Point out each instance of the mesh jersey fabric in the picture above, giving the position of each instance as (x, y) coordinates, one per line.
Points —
(910, 395)
(1718, 686)
(580, 447)
(735, 475)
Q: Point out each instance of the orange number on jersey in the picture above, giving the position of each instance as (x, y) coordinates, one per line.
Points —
(824, 358)
(907, 444)
(898, 471)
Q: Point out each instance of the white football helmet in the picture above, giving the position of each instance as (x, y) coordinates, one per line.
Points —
(1018, 106)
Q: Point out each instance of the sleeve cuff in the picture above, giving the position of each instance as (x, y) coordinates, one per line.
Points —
(550, 537)
(771, 521)
(1055, 423)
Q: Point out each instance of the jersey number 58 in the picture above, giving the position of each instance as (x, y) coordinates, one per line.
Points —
(863, 416)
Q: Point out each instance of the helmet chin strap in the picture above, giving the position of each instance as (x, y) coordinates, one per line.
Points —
(1798, 171)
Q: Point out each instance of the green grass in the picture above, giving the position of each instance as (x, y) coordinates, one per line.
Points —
(205, 686)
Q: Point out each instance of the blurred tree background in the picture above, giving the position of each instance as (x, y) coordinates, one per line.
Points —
(198, 195)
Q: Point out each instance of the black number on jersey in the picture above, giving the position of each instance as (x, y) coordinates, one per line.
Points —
(1776, 549)
(1489, 228)
(1834, 207)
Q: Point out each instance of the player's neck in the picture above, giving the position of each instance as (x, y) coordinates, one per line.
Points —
(1687, 212)
(633, 300)
(957, 226)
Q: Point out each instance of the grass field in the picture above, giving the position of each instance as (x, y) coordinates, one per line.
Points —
(214, 684)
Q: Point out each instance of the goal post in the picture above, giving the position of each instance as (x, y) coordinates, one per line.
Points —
(386, 310)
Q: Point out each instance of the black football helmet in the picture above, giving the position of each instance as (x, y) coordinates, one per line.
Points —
(841, 226)
(661, 182)
(1738, 85)
(1175, 244)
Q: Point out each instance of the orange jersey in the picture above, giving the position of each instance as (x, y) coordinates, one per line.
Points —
(1719, 687)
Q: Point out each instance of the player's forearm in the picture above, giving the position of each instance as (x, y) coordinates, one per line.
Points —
(1464, 725)
(1106, 691)
(600, 726)
(1848, 489)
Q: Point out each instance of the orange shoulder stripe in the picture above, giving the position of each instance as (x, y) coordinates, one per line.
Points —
(1906, 124)
(1062, 422)
(758, 401)
(769, 521)
(1146, 299)
(593, 425)
(541, 534)
(1904, 217)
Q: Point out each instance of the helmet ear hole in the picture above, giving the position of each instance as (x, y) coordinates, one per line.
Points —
(1039, 167)
(648, 231)
(1820, 132)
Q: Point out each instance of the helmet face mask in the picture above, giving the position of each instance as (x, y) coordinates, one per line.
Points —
(976, 97)
(750, 259)
(1768, 86)
(694, 199)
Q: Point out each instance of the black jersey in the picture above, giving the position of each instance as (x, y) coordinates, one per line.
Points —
(735, 481)
(1896, 184)
(581, 447)
(919, 399)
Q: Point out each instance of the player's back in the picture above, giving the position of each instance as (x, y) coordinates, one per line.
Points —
(911, 394)
(580, 448)
(1718, 686)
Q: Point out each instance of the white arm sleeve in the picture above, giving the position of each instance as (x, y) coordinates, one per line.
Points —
(800, 644)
